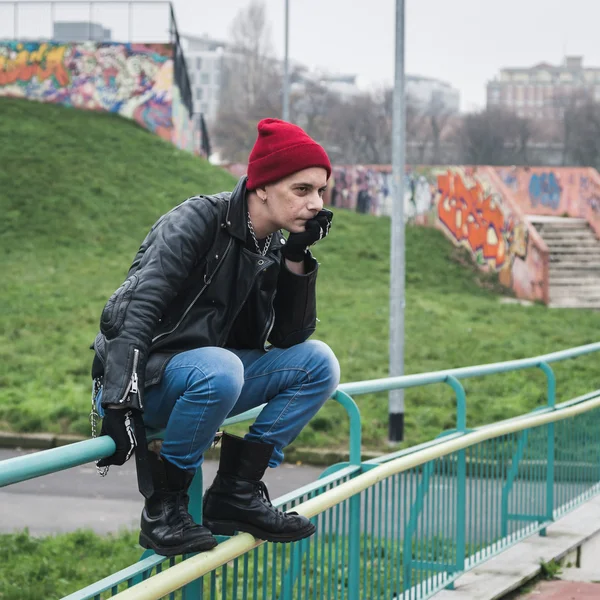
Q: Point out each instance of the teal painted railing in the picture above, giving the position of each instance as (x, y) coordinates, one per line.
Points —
(404, 525)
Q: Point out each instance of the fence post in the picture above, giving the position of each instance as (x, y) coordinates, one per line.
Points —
(545, 367)
(354, 528)
(461, 484)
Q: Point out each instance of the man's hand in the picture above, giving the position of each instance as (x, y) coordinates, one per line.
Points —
(119, 425)
(316, 229)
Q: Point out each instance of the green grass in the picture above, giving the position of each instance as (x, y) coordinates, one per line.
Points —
(54, 566)
(78, 192)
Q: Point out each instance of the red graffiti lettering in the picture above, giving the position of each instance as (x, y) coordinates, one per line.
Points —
(472, 217)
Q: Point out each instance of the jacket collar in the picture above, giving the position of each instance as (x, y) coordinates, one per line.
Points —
(236, 217)
(237, 208)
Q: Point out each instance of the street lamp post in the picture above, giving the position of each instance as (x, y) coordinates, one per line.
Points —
(397, 258)
(286, 68)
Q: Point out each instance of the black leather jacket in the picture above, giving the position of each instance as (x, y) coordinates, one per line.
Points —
(187, 286)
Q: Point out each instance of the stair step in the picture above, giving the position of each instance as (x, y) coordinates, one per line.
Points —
(576, 265)
(595, 304)
(566, 239)
(575, 235)
(574, 292)
(570, 224)
(574, 257)
(574, 249)
(569, 279)
(557, 222)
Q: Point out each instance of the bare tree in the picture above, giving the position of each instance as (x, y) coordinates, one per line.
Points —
(418, 133)
(251, 41)
(584, 135)
(438, 116)
(360, 130)
(310, 104)
(494, 137)
(250, 85)
(568, 105)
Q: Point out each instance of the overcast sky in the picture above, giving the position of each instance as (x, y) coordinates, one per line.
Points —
(464, 42)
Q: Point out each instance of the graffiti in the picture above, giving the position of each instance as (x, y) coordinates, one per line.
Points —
(184, 132)
(465, 203)
(545, 189)
(561, 192)
(589, 190)
(418, 195)
(473, 217)
(370, 190)
(46, 61)
(509, 178)
(132, 80)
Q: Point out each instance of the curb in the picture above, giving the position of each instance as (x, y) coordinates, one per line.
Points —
(293, 455)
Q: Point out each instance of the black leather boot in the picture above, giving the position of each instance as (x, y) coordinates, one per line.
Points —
(166, 525)
(239, 501)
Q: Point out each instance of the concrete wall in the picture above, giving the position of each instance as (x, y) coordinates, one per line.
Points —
(471, 205)
(558, 191)
(133, 80)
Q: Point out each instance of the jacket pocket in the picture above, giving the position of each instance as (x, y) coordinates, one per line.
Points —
(113, 314)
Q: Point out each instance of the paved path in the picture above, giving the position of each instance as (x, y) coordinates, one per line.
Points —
(79, 498)
(564, 590)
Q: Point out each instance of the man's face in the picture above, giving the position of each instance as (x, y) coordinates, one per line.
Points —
(296, 199)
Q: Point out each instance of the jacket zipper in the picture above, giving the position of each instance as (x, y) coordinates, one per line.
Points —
(270, 323)
(187, 310)
(133, 385)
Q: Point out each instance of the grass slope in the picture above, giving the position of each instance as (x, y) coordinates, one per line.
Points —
(78, 192)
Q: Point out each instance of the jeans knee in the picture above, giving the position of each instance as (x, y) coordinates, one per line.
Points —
(224, 375)
(325, 365)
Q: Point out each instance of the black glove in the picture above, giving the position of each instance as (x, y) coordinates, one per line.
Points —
(315, 229)
(120, 426)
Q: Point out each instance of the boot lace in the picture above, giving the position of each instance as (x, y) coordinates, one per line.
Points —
(182, 505)
(177, 502)
(263, 493)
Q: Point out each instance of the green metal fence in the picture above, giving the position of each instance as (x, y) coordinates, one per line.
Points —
(405, 525)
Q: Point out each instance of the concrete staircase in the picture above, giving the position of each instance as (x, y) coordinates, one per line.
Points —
(574, 261)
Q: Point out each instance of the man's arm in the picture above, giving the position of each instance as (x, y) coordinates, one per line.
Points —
(130, 317)
(295, 267)
(295, 303)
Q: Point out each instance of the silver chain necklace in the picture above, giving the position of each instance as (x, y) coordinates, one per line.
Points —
(262, 252)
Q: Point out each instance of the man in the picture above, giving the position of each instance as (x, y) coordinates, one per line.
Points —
(213, 320)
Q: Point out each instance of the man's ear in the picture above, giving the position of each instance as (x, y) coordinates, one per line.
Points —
(261, 192)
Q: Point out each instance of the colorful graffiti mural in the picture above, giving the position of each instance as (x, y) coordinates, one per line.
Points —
(185, 135)
(368, 189)
(560, 191)
(473, 216)
(133, 80)
(545, 190)
(466, 204)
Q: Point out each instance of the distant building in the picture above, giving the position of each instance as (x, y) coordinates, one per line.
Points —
(80, 31)
(427, 93)
(544, 90)
(205, 59)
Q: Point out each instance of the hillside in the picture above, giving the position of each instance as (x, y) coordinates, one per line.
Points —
(78, 192)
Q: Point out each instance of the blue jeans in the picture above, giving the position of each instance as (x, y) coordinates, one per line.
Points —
(202, 387)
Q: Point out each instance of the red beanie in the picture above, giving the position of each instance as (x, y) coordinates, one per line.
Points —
(280, 150)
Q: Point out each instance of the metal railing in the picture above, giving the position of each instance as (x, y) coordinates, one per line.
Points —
(126, 21)
(405, 525)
